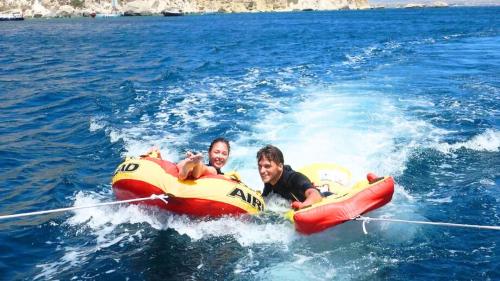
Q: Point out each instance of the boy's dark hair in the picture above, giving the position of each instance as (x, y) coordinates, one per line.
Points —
(220, 139)
(272, 153)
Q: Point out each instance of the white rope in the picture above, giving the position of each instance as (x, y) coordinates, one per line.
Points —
(368, 219)
(152, 197)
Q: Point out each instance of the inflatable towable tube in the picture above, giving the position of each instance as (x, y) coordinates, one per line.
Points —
(345, 203)
(210, 196)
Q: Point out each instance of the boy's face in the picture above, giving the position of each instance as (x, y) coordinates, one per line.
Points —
(269, 171)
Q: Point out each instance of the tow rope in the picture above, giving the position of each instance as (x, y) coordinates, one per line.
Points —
(368, 219)
(152, 197)
(163, 198)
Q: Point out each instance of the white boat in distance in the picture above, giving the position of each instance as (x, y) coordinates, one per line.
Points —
(12, 16)
(110, 15)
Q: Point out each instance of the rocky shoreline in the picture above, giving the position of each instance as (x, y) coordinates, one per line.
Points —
(78, 8)
(112, 8)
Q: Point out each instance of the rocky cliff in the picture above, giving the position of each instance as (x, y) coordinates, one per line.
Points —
(63, 8)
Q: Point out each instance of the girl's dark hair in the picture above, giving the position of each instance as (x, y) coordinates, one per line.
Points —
(272, 153)
(219, 140)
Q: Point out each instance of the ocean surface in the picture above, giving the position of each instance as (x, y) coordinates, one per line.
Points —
(413, 93)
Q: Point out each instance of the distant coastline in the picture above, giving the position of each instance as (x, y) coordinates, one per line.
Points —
(115, 8)
(108, 8)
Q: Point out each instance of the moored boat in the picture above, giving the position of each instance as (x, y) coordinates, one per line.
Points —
(12, 16)
(208, 196)
(343, 203)
(172, 14)
(107, 15)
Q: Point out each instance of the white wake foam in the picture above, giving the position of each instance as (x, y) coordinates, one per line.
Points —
(488, 141)
(362, 131)
(103, 221)
(106, 226)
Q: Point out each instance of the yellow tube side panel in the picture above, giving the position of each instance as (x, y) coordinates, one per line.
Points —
(209, 188)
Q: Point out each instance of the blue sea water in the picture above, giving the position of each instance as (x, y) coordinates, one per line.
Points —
(409, 93)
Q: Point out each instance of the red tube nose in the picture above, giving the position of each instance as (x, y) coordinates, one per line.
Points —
(371, 177)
